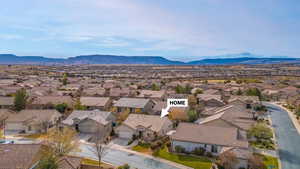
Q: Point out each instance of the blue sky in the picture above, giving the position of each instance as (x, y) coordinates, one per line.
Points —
(175, 29)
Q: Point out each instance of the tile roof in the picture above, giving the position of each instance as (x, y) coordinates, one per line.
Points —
(94, 101)
(236, 115)
(32, 114)
(7, 101)
(132, 102)
(43, 100)
(69, 162)
(154, 123)
(18, 156)
(190, 132)
(101, 117)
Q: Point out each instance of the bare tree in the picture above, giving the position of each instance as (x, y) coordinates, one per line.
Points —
(228, 160)
(256, 162)
(99, 148)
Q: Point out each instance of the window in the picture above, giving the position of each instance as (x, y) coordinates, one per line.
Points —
(214, 148)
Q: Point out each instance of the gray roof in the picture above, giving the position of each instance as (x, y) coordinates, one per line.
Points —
(102, 117)
(32, 114)
(19, 156)
(152, 122)
(132, 102)
(94, 101)
(189, 132)
(236, 115)
(7, 101)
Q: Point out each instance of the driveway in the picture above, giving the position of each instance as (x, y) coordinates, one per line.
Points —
(120, 157)
(287, 137)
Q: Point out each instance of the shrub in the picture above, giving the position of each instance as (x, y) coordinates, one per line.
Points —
(209, 154)
(180, 149)
(125, 166)
(155, 152)
(154, 146)
(199, 151)
(168, 144)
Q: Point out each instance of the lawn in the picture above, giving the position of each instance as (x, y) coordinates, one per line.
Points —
(143, 148)
(91, 162)
(35, 136)
(1, 134)
(190, 161)
(269, 161)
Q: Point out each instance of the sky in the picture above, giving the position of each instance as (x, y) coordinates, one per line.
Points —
(176, 29)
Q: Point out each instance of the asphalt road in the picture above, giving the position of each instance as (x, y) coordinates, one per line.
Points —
(287, 137)
(118, 158)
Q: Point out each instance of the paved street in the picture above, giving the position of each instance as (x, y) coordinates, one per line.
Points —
(287, 137)
(119, 157)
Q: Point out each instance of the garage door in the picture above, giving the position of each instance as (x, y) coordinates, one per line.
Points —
(125, 134)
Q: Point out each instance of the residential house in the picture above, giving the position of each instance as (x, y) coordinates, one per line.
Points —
(91, 103)
(3, 116)
(94, 91)
(71, 87)
(19, 156)
(134, 105)
(210, 100)
(69, 162)
(233, 115)
(94, 123)
(9, 90)
(6, 102)
(250, 101)
(211, 92)
(211, 138)
(44, 102)
(32, 121)
(147, 127)
(120, 92)
(150, 94)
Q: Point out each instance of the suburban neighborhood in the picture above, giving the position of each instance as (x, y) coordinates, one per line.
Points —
(150, 84)
(84, 119)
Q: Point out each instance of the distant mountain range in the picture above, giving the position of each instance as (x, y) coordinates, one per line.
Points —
(243, 58)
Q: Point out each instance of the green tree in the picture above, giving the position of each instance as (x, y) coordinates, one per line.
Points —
(187, 89)
(239, 92)
(65, 79)
(179, 89)
(183, 90)
(261, 132)
(79, 106)
(198, 91)
(48, 162)
(20, 100)
(254, 92)
(155, 87)
(192, 101)
(61, 107)
(193, 115)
